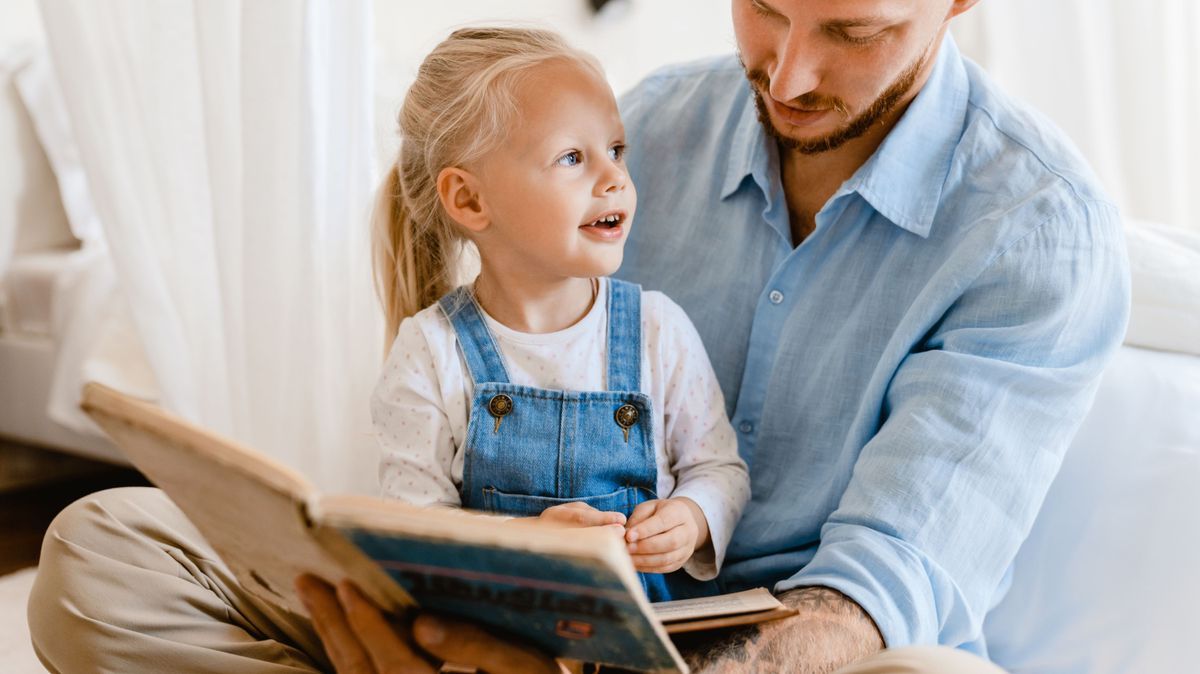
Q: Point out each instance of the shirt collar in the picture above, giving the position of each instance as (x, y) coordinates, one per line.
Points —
(903, 180)
(750, 151)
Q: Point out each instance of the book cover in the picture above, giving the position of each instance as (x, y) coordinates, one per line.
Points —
(572, 591)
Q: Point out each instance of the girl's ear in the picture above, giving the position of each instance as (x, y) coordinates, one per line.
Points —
(462, 199)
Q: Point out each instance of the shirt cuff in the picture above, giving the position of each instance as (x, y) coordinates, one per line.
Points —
(706, 562)
(911, 600)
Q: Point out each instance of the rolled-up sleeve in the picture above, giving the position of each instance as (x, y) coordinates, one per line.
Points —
(975, 423)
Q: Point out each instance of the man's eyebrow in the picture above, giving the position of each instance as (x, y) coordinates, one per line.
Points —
(855, 22)
(763, 5)
(858, 22)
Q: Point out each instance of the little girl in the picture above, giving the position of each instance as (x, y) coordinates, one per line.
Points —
(544, 388)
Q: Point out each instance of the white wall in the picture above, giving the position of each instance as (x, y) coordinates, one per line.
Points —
(630, 38)
(19, 22)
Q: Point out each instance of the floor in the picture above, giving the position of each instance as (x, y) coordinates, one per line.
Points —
(35, 484)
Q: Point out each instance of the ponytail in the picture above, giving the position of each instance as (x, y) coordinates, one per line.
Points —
(410, 259)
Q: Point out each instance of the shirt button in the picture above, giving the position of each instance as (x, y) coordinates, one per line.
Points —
(776, 297)
(746, 427)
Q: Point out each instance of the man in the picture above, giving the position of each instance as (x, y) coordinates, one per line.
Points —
(908, 286)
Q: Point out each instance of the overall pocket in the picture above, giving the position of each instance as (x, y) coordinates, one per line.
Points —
(622, 500)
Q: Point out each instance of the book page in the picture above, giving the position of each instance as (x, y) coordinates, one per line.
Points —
(749, 601)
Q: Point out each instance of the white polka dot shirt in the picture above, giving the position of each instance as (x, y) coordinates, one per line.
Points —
(421, 406)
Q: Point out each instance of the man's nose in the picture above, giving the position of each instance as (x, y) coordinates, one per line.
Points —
(797, 69)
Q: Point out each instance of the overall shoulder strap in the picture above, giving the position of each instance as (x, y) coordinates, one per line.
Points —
(624, 336)
(476, 341)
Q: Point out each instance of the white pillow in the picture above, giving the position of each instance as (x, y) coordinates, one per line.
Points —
(39, 90)
(1164, 264)
(1107, 582)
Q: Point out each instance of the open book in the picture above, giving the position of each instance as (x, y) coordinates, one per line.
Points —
(574, 592)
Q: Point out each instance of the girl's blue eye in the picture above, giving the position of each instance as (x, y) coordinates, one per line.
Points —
(616, 152)
(571, 158)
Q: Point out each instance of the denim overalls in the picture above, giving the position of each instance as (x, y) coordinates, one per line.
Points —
(529, 448)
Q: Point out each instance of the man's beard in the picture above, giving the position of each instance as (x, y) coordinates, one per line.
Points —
(880, 108)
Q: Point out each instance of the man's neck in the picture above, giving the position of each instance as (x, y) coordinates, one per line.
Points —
(809, 180)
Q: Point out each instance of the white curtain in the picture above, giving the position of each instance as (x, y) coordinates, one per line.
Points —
(1121, 78)
(228, 145)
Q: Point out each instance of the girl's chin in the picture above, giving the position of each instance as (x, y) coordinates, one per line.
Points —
(598, 265)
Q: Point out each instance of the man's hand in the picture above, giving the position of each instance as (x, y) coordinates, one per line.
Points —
(663, 534)
(359, 639)
(828, 632)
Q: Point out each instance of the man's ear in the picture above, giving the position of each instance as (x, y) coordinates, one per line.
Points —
(958, 7)
(459, 193)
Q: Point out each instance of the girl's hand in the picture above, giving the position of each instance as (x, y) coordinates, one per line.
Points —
(662, 535)
(579, 514)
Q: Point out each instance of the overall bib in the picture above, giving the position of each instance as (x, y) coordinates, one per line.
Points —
(528, 449)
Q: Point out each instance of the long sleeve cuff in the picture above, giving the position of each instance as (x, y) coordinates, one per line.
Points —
(910, 598)
(705, 564)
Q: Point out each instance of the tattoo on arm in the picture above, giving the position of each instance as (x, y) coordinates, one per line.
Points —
(829, 631)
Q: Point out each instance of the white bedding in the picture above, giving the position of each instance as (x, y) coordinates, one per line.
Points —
(28, 294)
(1107, 581)
(49, 316)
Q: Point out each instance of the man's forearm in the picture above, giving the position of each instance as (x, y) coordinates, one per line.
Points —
(828, 631)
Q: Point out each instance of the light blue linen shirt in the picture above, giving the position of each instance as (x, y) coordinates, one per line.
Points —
(905, 382)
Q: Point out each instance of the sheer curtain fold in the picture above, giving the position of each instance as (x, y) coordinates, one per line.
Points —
(229, 147)
(1121, 78)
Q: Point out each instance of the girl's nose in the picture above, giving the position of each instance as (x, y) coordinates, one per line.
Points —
(613, 179)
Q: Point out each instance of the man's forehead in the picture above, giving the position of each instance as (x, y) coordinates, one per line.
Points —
(852, 12)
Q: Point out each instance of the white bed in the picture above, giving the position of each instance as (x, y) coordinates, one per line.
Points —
(41, 267)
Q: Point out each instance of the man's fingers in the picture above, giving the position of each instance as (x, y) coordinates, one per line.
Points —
(345, 652)
(387, 650)
(466, 644)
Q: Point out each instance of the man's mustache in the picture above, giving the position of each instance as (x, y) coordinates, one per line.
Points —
(809, 101)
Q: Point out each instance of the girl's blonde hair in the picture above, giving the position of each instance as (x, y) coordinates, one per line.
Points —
(458, 109)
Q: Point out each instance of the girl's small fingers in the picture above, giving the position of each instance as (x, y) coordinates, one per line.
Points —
(597, 518)
(642, 511)
(345, 652)
(651, 527)
(672, 539)
(662, 563)
(618, 530)
(602, 517)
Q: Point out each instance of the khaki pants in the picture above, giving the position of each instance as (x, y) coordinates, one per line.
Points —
(126, 584)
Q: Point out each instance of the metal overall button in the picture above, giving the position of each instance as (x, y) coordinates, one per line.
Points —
(626, 416)
(499, 407)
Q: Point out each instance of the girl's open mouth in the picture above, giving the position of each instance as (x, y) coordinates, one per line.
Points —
(607, 226)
